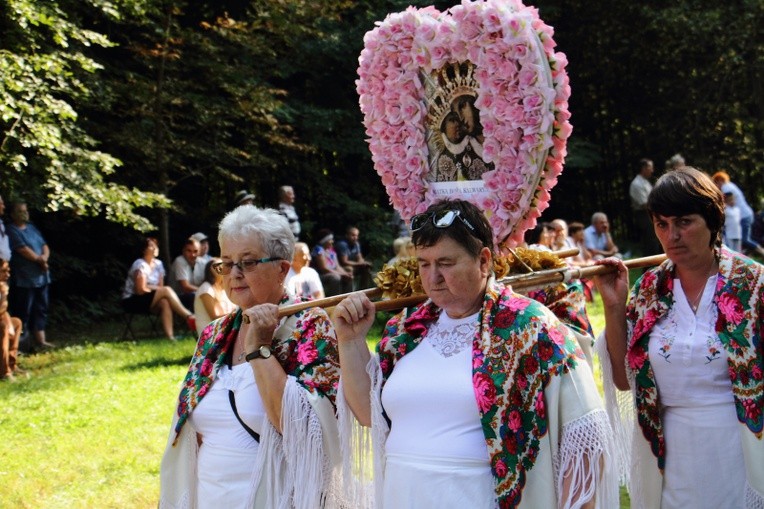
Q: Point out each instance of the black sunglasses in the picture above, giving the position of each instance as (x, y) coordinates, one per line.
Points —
(441, 219)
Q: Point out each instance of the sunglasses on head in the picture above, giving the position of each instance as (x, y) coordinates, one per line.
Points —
(441, 219)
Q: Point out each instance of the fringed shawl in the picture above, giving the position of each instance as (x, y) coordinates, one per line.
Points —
(519, 348)
(297, 463)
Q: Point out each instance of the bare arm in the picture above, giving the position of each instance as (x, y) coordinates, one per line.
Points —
(141, 284)
(353, 318)
(212, 306)
(613, 288)
(186, 286)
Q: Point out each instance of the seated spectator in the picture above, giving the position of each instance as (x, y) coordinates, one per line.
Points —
(403, 248)
(333, 276)
(145, 291)
(576, 238)
(582, 259)
(187, 272)
(204, 247)
(597, 237)
(732, 229)
(211, 301)
(539, 237)
(303, 281)
(722, 181)
(351, 258)
(243, 198)
(10, 330)
(560, 239)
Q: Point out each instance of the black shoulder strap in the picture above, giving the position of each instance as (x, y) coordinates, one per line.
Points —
(252, 432)
(232, 400)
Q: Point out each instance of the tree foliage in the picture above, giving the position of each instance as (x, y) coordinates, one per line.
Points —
(44, 153)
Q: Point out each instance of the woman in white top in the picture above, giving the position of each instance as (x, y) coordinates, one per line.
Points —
(255, 423)
(688, 348)
(145, 292)
(210, 300)
(479, 397)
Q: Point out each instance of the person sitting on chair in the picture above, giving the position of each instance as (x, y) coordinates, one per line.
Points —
(145, 292)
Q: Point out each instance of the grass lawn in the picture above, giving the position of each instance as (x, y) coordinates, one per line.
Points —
(88, 427)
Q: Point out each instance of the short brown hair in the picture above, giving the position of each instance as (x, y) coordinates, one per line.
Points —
(689, 191)
(472, 240)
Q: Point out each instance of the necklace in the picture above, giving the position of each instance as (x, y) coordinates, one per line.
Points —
(694, 303)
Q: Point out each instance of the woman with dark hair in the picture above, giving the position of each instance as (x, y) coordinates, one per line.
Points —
(210, 300)
(479, 397)
(688, 346)
(144, 291)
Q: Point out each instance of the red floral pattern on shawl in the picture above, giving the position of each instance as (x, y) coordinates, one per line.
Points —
(519, 346)
(739, 296)
(309, 353)
(568, 303)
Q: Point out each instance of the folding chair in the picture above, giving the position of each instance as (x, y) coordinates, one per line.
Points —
(128, 319)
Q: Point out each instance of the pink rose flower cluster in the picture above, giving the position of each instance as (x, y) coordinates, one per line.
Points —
(523, 93)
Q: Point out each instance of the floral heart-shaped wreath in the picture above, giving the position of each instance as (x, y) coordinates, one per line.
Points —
(499, 55)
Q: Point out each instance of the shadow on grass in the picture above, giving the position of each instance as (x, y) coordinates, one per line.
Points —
(159, 363)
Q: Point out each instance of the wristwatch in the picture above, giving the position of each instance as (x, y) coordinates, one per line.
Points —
(261, 353)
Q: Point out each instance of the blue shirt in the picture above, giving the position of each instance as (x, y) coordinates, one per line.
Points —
(594, 240)
(352, 251)
(26, 273)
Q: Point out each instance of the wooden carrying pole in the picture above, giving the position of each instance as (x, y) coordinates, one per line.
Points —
(521, 283)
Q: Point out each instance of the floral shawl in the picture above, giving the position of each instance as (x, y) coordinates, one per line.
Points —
(568, 303)
(309, 354)
(739, 297)
(519, 347)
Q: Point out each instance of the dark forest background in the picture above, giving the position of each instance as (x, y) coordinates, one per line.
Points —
(125, 117)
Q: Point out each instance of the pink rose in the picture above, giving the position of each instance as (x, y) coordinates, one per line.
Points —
(485, 391)
(306, 353)
(500, 468)
(540, 405)
(731, 308)
(515, 421)
(206, 368)
(636, 359)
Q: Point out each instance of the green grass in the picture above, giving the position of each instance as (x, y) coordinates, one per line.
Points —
(88, 427)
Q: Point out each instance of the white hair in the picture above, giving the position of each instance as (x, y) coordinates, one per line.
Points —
(264, 226)
(597, 216)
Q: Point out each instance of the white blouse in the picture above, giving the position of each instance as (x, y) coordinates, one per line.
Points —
(228, 452)
(429, 396)
(704, 458)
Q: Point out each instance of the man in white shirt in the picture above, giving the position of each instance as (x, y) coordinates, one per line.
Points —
(204, 246)
(302, 280)
(639, 190)
(187, 273)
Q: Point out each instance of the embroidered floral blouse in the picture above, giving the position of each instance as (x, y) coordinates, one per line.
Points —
(518, 348)
(739, 297)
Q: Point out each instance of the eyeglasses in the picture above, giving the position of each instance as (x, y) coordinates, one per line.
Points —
(225, 268)
(441, 219)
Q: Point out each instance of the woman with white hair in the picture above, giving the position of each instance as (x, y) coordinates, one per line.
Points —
(255, 423)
